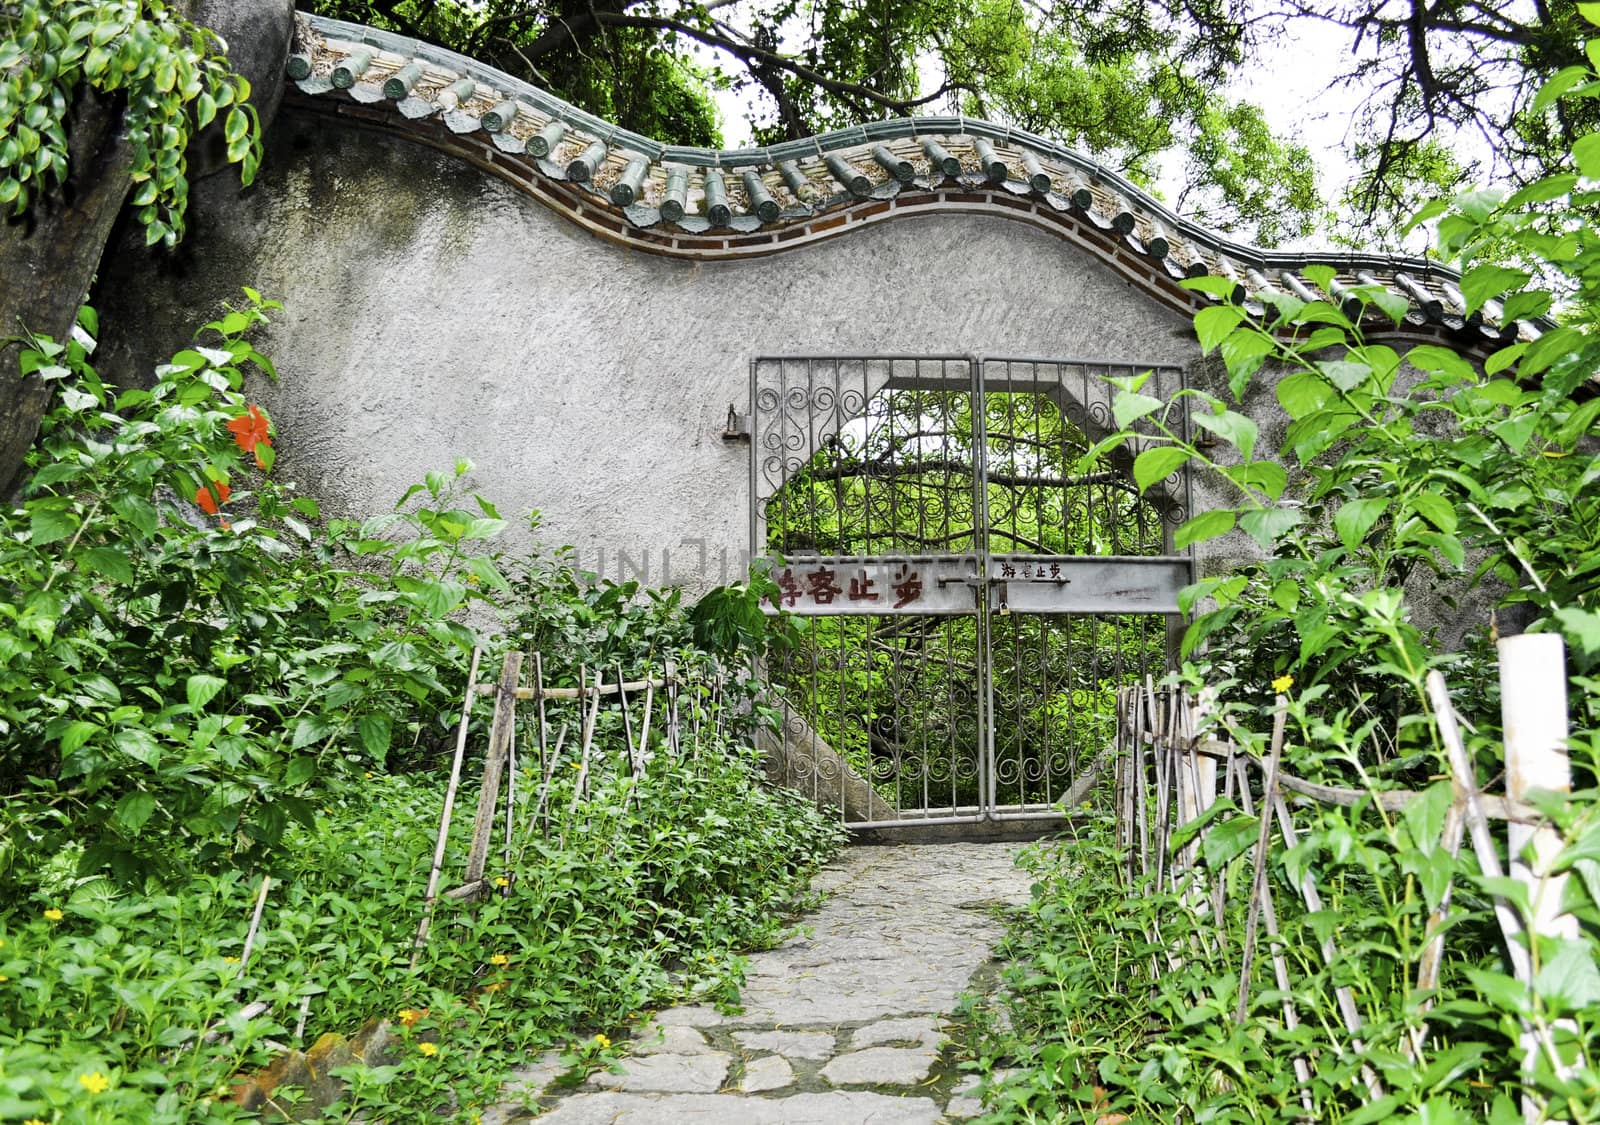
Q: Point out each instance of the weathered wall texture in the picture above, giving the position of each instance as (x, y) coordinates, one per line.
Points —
(433, 312)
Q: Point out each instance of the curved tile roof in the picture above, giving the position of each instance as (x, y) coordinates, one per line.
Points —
(709, 204)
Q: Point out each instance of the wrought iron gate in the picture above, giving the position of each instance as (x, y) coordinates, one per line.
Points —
(972, 598)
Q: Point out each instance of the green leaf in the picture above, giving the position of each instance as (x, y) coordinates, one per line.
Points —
(1128, 408)
(299, 770)
(134, 811)
(310, 729)
(1185, 833)
(1556, 85)
(1302, 393)
(77, 733)
(1213, 325)
(107, 562)
(138, 744)
(1157, 464)
(1233, 428)
(439, 598)
(1267, 525)
(1486, 281)
(1569, 978)
(1286, 594)
(48, 525)
(1356, 517)
(1268, 476)
(1586, 155)
(375, 733)
(1436, 510)
(1434, 359)
(1225, 842)
(483, 528)
(1205, 526)
(1581, 627)
(201, 689)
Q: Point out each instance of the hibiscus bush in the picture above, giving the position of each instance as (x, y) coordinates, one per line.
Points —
(185, 647)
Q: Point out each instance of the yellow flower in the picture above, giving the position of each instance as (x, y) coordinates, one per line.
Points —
(94, 1082)
(502, 881)
(499, 959)
(231, 960)
(369, 775)
(577, 765)
(53, 915)
(1283, 683)
(428, 1049)
(33, 1121)
(3, 978)
(409, 1016)
(602, 1041)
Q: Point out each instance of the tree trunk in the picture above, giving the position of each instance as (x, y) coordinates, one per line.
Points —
(49, 256)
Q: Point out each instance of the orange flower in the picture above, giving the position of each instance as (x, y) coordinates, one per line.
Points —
(209, 496)
(250, 430)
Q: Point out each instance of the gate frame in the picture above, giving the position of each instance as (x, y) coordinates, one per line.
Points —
(986, 589)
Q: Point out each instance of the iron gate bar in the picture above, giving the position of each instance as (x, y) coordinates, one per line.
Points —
(830, 426)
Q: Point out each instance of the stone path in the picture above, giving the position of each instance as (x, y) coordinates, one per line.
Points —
(842, 1026)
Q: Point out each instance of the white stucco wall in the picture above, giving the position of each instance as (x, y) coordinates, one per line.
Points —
(432, 312)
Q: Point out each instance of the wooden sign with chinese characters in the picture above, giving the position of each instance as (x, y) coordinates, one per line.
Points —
(825, 587)
(1086, 584)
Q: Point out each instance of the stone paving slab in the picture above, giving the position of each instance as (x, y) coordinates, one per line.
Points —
(861, 1000)
(843, 1108)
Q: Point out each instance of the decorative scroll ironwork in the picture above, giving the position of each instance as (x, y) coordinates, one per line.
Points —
(937, 475)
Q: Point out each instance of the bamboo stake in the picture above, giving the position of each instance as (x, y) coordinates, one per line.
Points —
(1466, 782)
(501, 734)
(511, 808)
(300, 1024)
(627, 746)
(581, 786)
(444, 817)
(1141, 791)
(1258, 879)
(538, 689)
(542, 809)
(255, 924)
(644, 729)
(673, 745)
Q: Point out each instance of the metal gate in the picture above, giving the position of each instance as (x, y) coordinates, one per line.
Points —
(972, 597)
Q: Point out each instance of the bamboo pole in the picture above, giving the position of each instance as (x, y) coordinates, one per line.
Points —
(1258, 878)
(255, 924)
(1483, 844)
(674, 745)
(501, 733)
(1280, 963)
(444, 817)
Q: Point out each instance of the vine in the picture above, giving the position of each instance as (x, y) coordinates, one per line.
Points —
(173, 76)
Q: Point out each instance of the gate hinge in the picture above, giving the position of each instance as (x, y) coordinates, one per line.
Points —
(738, 427)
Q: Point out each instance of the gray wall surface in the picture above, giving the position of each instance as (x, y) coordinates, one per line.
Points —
(433, 312)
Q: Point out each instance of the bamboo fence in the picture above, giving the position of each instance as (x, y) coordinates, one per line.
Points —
(1168, 773)
(670, 706)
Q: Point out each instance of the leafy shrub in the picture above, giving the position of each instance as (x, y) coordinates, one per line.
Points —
(1400, 472)
(202, 682)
